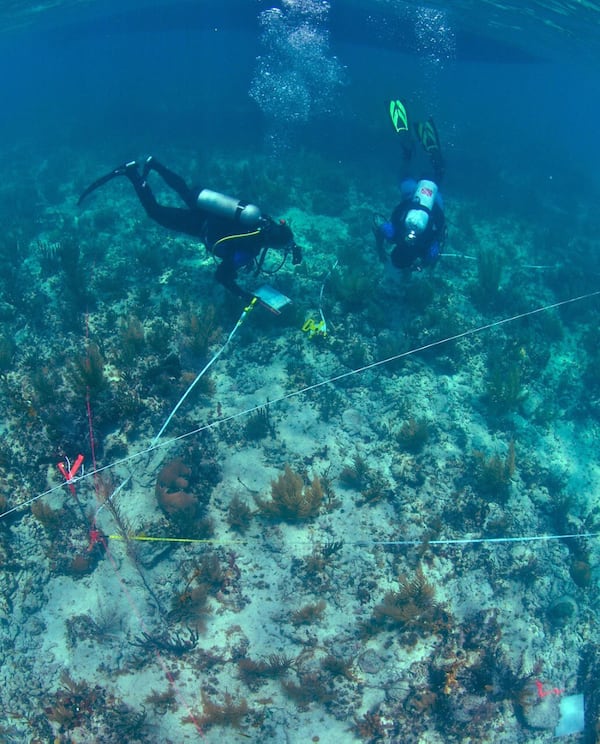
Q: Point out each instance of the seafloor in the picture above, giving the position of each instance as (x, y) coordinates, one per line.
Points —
(294, 589)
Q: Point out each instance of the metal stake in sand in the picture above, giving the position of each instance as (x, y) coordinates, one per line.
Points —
(242, 317)
(319, 328)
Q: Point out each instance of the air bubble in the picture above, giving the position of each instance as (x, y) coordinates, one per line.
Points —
(296, 76)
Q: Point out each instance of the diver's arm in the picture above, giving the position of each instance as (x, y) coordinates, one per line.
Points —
(226, 275)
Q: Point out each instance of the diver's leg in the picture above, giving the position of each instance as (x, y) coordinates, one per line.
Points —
(428, 136)
(438, 165)
(408, 187)
(172, 180)
(183, 220)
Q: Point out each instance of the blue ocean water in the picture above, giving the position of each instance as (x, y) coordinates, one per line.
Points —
(512, 90)
(105, 319)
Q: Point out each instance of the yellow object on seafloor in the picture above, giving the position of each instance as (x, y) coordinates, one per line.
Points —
(313, 327)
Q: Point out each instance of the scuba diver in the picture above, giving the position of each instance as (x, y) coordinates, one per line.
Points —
(417, 227)
(232, 230)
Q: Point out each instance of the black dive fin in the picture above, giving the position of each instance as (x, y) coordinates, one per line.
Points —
(120, 171)
(428, 136)
(99, 182)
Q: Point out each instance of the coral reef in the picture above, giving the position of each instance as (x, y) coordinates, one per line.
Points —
(414, 434)
(412, 607)
(171, 490)
(339, 591)
(201, 329)
(239, 514)
(504, 388)
(308, 614)
(485, 291)
(176, 643)
(493, 474)
(292, 499)
(227, 713)
(255, 673)
(87, 372)
(258, 425)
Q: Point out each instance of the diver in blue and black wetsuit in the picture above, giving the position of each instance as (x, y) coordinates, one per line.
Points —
(232, 230)
(417, 227)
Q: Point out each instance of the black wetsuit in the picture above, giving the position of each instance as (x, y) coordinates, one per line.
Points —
(425, 249)
(225, 239)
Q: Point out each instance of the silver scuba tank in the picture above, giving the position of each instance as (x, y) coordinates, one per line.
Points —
(416, 220)
(248, 215)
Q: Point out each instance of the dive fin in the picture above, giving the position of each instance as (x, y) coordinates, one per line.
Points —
(399, 116)
(120, 171)
(428, 136)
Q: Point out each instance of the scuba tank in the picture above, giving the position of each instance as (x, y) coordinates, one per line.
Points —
(248, 215)
(424, 198)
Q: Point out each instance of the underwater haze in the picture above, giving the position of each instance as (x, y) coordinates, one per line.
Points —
(364, 507)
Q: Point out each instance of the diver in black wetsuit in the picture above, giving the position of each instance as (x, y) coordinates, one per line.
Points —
(232, 230)
(417, 227)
